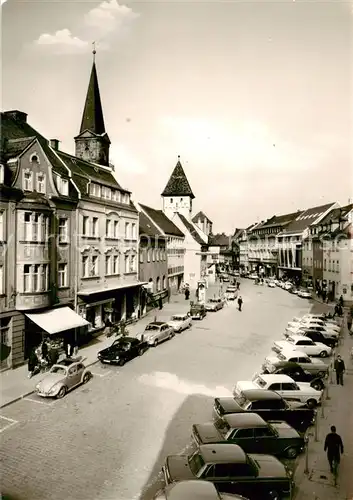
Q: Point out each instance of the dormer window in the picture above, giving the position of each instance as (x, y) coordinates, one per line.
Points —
(64, 187)
(40, 183)
(27, 180)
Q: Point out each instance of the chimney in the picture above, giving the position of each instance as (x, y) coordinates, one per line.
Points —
(19, 116)
(54, 143)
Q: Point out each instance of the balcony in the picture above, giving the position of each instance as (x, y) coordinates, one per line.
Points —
(33, 300)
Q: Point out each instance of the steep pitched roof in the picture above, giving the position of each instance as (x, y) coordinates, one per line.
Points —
(306, 218)
(147, 227)
(200, 215)
(92, 117)
(336, 214)
(279, 220)
(191, 230)
(162, 221)
(178, 185)
(219, 240)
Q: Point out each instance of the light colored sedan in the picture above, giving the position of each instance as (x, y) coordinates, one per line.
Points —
(304, 294)
(214, 304)
(156, 332)
(308, 323)
(63, 377)
(311, 365)
(303, 344)
(180, 322)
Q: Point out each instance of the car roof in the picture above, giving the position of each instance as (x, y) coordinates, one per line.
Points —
(222, 453)
(297, 337)
(192, 490)
(180, 314)
(125, 340)
(260, 394)
(244, 420)
(157, 323)
(293, 352)
(276, 378)
(288, 364)
(69, 361)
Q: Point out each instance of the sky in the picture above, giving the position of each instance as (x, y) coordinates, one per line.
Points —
(255, 97)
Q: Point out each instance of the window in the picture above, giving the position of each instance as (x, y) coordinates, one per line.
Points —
(94, 268)
(64, 187)
(261, 432)
(85, 225)
(157, 255)
(132, 263)
(133, 231)
(95, 231)
(108, 264)
(141, 256)
(26, 278)
(158, 284)
(106, 193)
(85, 266)
(63, 230)
(126, 263)
(164, 283)
(35, 278)
(108, 228)
(115, 264)
(153, 254)
(40, 183)
(2, 220)
(289, 387)
(275, 387)
(244, 433)
(2, 287)
(148, 255)
(28, 181)
(62, 275)
(35, 227)
(116, 229)
(127, 228)
(95, 189)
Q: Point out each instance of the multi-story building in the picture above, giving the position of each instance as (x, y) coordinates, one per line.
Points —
(262, 243)
(203, 222)
(220, 250)
(174, 244)
(69, 233)
(331, 263)
(291, 251)
(177, 206)
(235, 242)
(153, 265)
(243, 241)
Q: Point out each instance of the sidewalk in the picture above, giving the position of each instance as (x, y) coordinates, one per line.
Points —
(16, 385)
(316, 483)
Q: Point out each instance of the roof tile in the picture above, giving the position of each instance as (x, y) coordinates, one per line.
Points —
(162, 221)
(192, 230)
(178, 185)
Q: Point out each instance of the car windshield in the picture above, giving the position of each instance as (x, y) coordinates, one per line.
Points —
(58, 369)
(152, 327)
(196, 462)
(177, 318)
(214, 300)
(259, 381)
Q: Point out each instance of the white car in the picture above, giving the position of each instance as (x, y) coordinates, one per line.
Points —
(271, 284)
(303, 344)
(300, 327)
(304, 294)
(312, 365)
(308, 322)
(231, 293)
(285, 386)
(253, 276)
(180, 322)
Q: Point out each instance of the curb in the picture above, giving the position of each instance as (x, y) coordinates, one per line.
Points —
(18, 398)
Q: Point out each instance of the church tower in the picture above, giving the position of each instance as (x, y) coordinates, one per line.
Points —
(92, 144)
(177, 195)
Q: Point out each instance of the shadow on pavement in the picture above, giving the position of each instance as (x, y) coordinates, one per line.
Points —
(195, 409)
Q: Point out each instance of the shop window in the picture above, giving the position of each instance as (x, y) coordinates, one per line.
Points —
(4, 330)
(62, 275)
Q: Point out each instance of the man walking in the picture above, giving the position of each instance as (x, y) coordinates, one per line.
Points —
(333, 446)
(340, 368)
(240, 303)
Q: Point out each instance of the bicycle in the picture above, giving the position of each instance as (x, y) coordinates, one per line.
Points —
(335, 467)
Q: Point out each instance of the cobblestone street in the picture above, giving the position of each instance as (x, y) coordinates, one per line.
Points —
(109, 438)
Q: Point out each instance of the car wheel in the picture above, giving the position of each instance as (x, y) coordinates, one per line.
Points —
(323, 354)
(155, 343)
(322, 374)
(318, 385)
(274, 495)
(311, 403)
(141, 351)
(86, 377)
(121, 362)
(62, 392)
(291, 452)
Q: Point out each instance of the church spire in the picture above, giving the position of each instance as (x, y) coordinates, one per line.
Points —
(92, 118)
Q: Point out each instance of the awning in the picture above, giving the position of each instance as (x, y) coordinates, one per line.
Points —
(57, 320)
(94, 291)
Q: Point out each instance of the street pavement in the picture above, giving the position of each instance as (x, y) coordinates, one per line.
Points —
(108, 439)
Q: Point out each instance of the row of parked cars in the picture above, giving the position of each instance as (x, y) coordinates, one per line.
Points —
(304, 293)
(241, 451)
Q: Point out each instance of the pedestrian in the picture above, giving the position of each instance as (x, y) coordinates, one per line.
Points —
(340, 368)
(341, 301)
(187, 293)
(340, 310)
(238, 285)
(240, 303)
(32, 363)
(45, 350)
(324, 295)
(334, 447)
(160, 303)
(336, 311)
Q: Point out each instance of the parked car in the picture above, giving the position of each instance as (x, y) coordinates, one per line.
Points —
(158, 331)
(252, 433)
(293, 289)
(304, 344)
(253, 276)
(307, 323)
(314, 366)
(316, 317)
(285, 386)
(231, 470)
(197, 311)
(317, 337)
(63, 377)
(304, 294)
(269, 405)
(122, 350)
(296, 372)
(214, 304)
(231, 293)
(193, 490)
(271, 284)
(180, 322)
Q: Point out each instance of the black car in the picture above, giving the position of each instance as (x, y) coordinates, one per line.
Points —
(297, 373)
(193, 490)
(122, 350)
(269, 405)
(252, 434)
(317, 336)
(231, 470)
